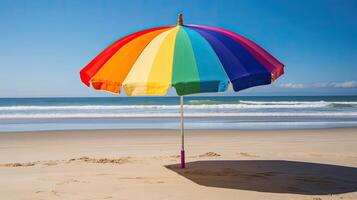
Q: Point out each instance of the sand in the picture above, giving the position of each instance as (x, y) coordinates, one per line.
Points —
(143, 164)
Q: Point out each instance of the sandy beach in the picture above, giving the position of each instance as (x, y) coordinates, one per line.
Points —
(143, 164)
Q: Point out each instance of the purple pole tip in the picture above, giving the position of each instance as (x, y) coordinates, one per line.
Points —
(182, 159)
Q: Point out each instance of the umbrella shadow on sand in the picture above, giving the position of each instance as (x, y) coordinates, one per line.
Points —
(275, 176)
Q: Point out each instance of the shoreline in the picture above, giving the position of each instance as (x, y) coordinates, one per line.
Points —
(178, 130)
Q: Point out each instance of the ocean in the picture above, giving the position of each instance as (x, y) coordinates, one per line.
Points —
(218, 112)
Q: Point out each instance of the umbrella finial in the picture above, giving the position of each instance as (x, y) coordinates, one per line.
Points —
(180, 20)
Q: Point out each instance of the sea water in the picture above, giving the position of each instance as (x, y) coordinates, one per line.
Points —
(219, 112)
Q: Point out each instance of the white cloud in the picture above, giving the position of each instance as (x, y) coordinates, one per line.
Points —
(292, 85)
(344, 85)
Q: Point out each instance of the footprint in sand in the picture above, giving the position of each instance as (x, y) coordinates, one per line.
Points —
(69, 181)
(54, 192)
(149, 180)
(82, 159)
(209, 154)
(248, 155)
(104, 160)
(26, 164)
(159, 182)
(153, 182)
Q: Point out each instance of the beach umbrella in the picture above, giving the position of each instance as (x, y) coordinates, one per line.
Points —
(190, 58)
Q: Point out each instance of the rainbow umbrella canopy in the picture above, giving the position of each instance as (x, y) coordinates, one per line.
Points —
(190, 58)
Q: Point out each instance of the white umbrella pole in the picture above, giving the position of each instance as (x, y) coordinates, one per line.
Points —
(182, 135)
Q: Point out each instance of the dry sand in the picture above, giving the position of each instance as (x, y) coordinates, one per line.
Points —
(143, 164)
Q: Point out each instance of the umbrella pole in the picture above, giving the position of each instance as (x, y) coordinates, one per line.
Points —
(182, 135)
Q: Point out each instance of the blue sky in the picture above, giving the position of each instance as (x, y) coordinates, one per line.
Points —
(44, 44)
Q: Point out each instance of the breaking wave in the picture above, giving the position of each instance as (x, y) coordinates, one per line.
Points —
(161, 115)
(202, 105)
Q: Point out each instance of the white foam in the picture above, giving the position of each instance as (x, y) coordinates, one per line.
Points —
(161, 115)
(241, 105)
(86, 107)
